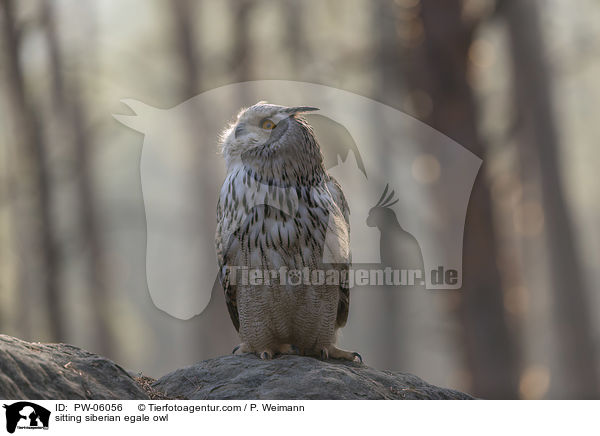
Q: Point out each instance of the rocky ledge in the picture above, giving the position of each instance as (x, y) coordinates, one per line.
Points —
(60, 371)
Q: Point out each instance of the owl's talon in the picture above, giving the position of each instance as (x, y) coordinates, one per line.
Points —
(266, 355)
(355, 354)
(243, 348)
(295, 349)
(324, 354)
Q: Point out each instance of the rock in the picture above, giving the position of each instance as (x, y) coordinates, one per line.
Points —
(60, 372)
(294, 377)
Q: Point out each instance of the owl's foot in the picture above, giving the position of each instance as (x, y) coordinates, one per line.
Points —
(242, 348)
(332, 352)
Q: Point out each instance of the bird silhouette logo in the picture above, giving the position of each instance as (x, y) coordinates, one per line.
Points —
(398, 248)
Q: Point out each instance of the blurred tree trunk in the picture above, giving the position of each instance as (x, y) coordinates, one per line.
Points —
(295, 43)
(33, 163)
(240, 55)
(438, 40)
(200, 332)
(98, 270)
(393, 345)
(72, 116)
(539, 155)
(183, 15)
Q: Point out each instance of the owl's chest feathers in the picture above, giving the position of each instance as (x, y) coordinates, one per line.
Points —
(273, 222)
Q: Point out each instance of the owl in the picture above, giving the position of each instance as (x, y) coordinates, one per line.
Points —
(282, 238)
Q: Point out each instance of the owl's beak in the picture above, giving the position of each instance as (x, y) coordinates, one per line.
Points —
(295, 110)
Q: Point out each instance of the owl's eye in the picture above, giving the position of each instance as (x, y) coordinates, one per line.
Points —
(267, 124)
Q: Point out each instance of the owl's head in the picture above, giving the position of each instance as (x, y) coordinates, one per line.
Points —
(267, 131)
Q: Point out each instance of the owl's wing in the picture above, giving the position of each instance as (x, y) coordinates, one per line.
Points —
(339, 198)
(223, 245)
(230, 297)
(344, 303)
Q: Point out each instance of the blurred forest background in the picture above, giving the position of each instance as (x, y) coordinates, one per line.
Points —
(514, 81)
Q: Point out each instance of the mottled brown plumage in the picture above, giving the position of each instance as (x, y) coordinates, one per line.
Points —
(278, 211)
